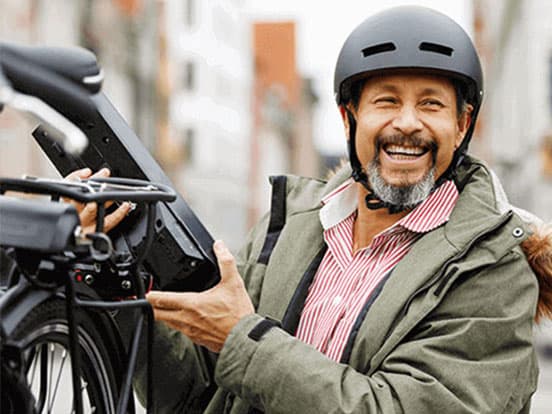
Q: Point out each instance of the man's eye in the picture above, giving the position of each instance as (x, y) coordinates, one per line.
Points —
(433, 103)
(386, 99)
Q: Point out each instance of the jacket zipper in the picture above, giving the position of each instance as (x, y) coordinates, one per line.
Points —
(449, 275)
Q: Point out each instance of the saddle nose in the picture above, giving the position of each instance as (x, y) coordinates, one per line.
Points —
(75, 64)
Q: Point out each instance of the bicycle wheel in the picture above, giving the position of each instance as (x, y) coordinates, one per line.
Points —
(44, 335)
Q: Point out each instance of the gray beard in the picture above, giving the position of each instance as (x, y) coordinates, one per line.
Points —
(404, 197)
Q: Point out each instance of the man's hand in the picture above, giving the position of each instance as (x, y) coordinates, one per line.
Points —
(206, 317)
(87, 212)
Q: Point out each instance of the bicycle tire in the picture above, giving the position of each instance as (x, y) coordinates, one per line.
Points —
(44, 336)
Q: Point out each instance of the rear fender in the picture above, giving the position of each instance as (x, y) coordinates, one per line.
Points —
(17, 301)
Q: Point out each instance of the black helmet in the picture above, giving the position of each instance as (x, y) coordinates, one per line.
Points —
(409, 37)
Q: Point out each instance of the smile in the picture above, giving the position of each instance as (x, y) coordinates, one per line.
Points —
(401, 152)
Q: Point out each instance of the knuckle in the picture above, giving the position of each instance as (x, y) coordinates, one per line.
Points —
(91, 208)
(227, 260)
(192, 304)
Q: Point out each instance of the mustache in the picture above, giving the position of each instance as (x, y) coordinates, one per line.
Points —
(406, 140)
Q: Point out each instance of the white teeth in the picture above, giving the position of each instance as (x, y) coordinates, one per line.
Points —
(398, 149)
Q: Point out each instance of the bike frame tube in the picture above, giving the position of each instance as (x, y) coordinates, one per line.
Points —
(21, 298)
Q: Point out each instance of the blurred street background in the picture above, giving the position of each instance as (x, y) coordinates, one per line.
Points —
(226, 92)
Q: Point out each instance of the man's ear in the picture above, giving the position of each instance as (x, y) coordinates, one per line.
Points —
(345, 119)
(464, 122)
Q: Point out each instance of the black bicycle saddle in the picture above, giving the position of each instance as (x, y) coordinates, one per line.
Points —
(73, 63)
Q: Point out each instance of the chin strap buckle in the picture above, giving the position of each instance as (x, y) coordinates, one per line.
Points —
(374, 203)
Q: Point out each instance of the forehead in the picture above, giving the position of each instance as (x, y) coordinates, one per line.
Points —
(418, 83)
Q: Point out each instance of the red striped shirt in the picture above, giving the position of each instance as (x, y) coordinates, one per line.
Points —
(344, 281)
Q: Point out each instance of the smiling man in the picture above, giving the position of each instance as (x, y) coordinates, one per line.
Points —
(407, 134)
(407, 127)
(397, 286)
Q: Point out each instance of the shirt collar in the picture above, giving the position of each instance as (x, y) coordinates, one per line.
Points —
(339, 204)
(434, 211)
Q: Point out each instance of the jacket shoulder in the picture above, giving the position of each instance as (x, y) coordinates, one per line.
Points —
(305, 193)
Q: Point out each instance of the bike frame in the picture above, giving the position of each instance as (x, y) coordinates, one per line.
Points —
(61, 87)
(25, 295)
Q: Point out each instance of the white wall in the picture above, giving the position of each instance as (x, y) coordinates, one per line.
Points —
(214, 179)
(517, 103)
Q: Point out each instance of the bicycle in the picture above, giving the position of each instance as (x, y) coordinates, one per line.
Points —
(60, 289)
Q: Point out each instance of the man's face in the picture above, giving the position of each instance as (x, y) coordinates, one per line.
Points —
(408, 129)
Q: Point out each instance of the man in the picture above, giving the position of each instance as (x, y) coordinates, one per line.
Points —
(401, 289)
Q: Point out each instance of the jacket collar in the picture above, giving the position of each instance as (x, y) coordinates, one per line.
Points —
(475, 217)
(430, 214)
(477, 208)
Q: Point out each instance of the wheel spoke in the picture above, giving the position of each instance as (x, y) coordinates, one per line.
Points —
(34, 364)
(43, 391)
(58, 379)
(48, 364)
(51, 352)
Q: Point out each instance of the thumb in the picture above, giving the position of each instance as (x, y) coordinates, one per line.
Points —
(226, 262)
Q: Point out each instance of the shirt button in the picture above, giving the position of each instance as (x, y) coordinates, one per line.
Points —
(336, 300)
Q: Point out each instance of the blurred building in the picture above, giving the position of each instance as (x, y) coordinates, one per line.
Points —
(515, 41)
(209, 121)
(122, 33)
(21, 21)
(514, 38)
(283, 106)
(217, 99)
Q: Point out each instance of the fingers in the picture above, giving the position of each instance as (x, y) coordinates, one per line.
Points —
(168, 300)
(117, 216)
(200, 337)
(226, 262)
(76, 176)
(87, 212)
(79, 174)
(104, 172)
(168, 316)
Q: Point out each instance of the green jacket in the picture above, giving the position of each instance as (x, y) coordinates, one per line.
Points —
(449, 331)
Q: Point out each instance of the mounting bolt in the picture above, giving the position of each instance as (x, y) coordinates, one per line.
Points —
(193, 263)
(88, 279)
(126, 284)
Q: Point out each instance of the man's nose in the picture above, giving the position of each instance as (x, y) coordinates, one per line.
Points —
(406, 121)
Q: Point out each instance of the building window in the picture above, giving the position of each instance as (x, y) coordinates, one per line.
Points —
(546, 155)
(189, 13)
(189, 143)
(550, 84)
(189, 81)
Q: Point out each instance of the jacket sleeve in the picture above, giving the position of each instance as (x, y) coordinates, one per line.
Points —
(183, 372)
(471, 354)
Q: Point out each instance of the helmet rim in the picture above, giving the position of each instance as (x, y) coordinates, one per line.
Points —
(412, 38)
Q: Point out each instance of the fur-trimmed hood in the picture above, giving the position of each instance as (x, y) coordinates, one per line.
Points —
(537, 248)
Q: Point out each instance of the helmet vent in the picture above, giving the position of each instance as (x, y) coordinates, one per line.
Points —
(435, 48)
(382, 47)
